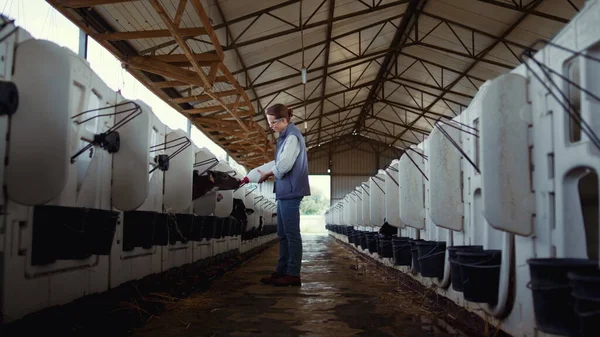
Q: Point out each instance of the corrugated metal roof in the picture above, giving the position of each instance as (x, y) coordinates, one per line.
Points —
(436, 53)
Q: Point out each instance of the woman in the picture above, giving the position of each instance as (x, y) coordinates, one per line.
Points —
(291, 186)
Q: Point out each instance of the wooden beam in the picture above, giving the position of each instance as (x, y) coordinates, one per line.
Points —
(202, 97)
(212, 74)
(207, 84)
(173, 76)
(164, 69)
(215, 121)
(226, 131)
(182, 77)
(209, 29)
(180, 11)
(180, 41)
(149, 34)
(240, 113)
(172, 84)
(89, 3)
(226, 73)
(212, 108)
(208, 58)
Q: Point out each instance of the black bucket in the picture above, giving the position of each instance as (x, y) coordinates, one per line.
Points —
(401, 251)
(363, 240)
(351, 236)
(208, 227)
(372, 242)
(432, 256)
(385, 247)
(100, 228)
(414, 253)
(588, 312)
(586, 284)
(480, 272)
(586, 295)
(551, 292)
(180, 228)
(226, 228)
(196, 230)
(138, 229)
(161, 230)
(454, 269)
(218, 231)
(357, 239)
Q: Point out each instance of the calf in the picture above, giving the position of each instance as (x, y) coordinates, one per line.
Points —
(212, 181)
(387, 230)
(240, 212)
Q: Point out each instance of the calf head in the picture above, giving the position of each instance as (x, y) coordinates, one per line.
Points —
(201, 185)
(223, 181)
(238, 211)
(212, 181)
(388, 230)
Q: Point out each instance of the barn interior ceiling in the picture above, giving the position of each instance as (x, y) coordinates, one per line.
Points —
(386, 70)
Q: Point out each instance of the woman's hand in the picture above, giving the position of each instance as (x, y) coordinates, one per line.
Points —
(264, 176)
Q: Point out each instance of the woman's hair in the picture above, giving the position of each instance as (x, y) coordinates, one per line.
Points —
(280, 111)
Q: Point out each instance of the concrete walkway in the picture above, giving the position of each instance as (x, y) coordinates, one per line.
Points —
(341, 295)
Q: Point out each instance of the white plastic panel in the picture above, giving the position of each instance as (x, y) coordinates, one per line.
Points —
(24, 287)
(154, 200)
(366, 205)
(207, 158)
(258, 202)
(224, 207)
(178, 178)
(336, 216)
(206, 204)
(239, 193)
(377, 199)
(412, 205)
(50, 93)
(249, 203)
(93, 169)
(345, 212)
(224, 167)
(392, 193)
(352, 199)
(359, 207)
(130, 164)
(446, 205)
(507, 198)
(7, 48)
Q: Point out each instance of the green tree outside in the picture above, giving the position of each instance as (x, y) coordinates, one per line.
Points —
(315, 204)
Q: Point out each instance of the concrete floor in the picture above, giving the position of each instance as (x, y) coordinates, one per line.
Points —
(341, 295)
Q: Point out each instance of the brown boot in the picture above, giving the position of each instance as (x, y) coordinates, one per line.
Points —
(287, 280)
(269, 280)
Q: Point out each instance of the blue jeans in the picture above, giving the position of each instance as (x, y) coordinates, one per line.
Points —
(288, 232)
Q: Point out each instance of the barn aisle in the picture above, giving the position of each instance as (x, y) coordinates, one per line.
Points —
(341, 295)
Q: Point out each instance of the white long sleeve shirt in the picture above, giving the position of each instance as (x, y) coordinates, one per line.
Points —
(286, 157)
